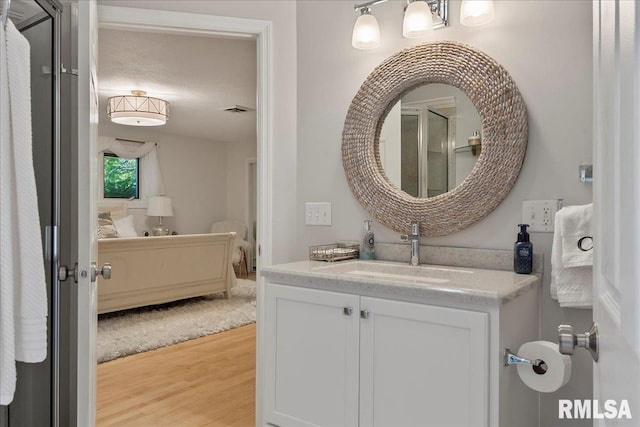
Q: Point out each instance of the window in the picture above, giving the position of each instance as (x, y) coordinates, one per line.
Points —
(121, 177)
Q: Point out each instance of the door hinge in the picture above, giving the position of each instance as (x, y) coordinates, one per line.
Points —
(72, 71)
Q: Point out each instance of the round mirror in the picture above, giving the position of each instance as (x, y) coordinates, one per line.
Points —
(503, 134)
(427, 143)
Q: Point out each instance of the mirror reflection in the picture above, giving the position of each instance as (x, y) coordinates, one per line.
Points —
(427, 144)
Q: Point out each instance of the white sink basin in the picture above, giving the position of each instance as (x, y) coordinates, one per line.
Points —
(397, 272)
(393, 276)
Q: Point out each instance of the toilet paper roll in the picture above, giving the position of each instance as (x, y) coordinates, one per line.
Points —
(558, 366)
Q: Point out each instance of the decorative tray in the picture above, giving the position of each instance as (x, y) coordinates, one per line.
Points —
(334, 252)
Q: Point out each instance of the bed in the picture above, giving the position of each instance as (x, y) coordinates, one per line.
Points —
(155, 270)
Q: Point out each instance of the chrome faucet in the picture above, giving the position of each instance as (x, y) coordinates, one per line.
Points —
(414, 238)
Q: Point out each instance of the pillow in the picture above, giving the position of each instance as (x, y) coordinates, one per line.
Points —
(124, 227)
(115, 211)
(106, 229)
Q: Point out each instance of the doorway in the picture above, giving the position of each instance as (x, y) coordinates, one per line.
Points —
(114, 18)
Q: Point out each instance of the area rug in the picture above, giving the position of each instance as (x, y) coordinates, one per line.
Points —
(147, 328)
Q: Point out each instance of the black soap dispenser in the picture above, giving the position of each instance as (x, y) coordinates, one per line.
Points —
(523, 252)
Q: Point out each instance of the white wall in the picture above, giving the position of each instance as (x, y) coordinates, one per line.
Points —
(548, 54)
(195, 177)
(237, 156)
(282, 14)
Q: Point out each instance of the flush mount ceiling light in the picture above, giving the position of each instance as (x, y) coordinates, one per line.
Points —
(137, 109)
(476, 12)
(420, 18)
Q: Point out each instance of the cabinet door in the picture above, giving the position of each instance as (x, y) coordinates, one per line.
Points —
(422, 365)
(311, 357)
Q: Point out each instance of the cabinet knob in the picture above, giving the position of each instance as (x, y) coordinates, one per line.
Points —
(348, 311)
(365, 314)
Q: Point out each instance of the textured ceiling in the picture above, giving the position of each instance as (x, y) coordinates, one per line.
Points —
(198, 75)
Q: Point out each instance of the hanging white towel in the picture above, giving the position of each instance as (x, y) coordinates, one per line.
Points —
(23, 294)
(152, 183)
(7, 346)
(576, 224)
(571, 267)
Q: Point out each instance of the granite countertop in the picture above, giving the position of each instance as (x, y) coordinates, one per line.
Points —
(395, 280)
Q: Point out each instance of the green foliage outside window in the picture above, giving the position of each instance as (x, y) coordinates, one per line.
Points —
(120, 177)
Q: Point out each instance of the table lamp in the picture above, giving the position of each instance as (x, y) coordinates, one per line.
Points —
(159, 206)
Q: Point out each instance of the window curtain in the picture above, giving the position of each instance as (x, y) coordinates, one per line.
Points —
(151, 176)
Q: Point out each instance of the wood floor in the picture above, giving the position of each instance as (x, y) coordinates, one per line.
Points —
(208, 381)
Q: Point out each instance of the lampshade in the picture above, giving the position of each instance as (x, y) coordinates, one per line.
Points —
(418, 20)
(137, 109)
(159, 206)
(366, 32)
(476, 12)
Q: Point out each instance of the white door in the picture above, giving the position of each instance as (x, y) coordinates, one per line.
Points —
(87, 246)
(617, 204)
(422, 365)
(311, 357)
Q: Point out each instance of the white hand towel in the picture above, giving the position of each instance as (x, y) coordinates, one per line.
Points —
(576, 224)
(571, 272)
(23, 331)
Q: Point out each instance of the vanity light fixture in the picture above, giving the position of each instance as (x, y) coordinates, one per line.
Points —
(476, 12)
(366, 31)
(137, 109)
(420, 18)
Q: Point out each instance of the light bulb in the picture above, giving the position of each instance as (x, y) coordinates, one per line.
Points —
(476, 12)
(366, 32)
(418, 20)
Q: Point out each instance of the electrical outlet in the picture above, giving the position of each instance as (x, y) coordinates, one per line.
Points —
(317, 213)
(546, 217)
(539, 214)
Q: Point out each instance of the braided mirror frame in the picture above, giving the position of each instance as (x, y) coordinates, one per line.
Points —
(504, 137)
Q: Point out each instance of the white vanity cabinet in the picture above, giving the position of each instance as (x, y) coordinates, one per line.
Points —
(338, 359)
(422, 365)
(311, 359)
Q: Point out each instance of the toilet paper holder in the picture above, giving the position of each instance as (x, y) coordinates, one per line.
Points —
(509, 358)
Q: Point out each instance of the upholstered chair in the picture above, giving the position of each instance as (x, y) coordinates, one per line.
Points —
(241, 247)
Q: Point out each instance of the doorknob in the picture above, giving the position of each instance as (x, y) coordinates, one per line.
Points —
(568, 340)
(65, 272)
(105, 271)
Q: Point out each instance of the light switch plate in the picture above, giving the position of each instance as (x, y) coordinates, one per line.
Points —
(539, 214)
(317, 213)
